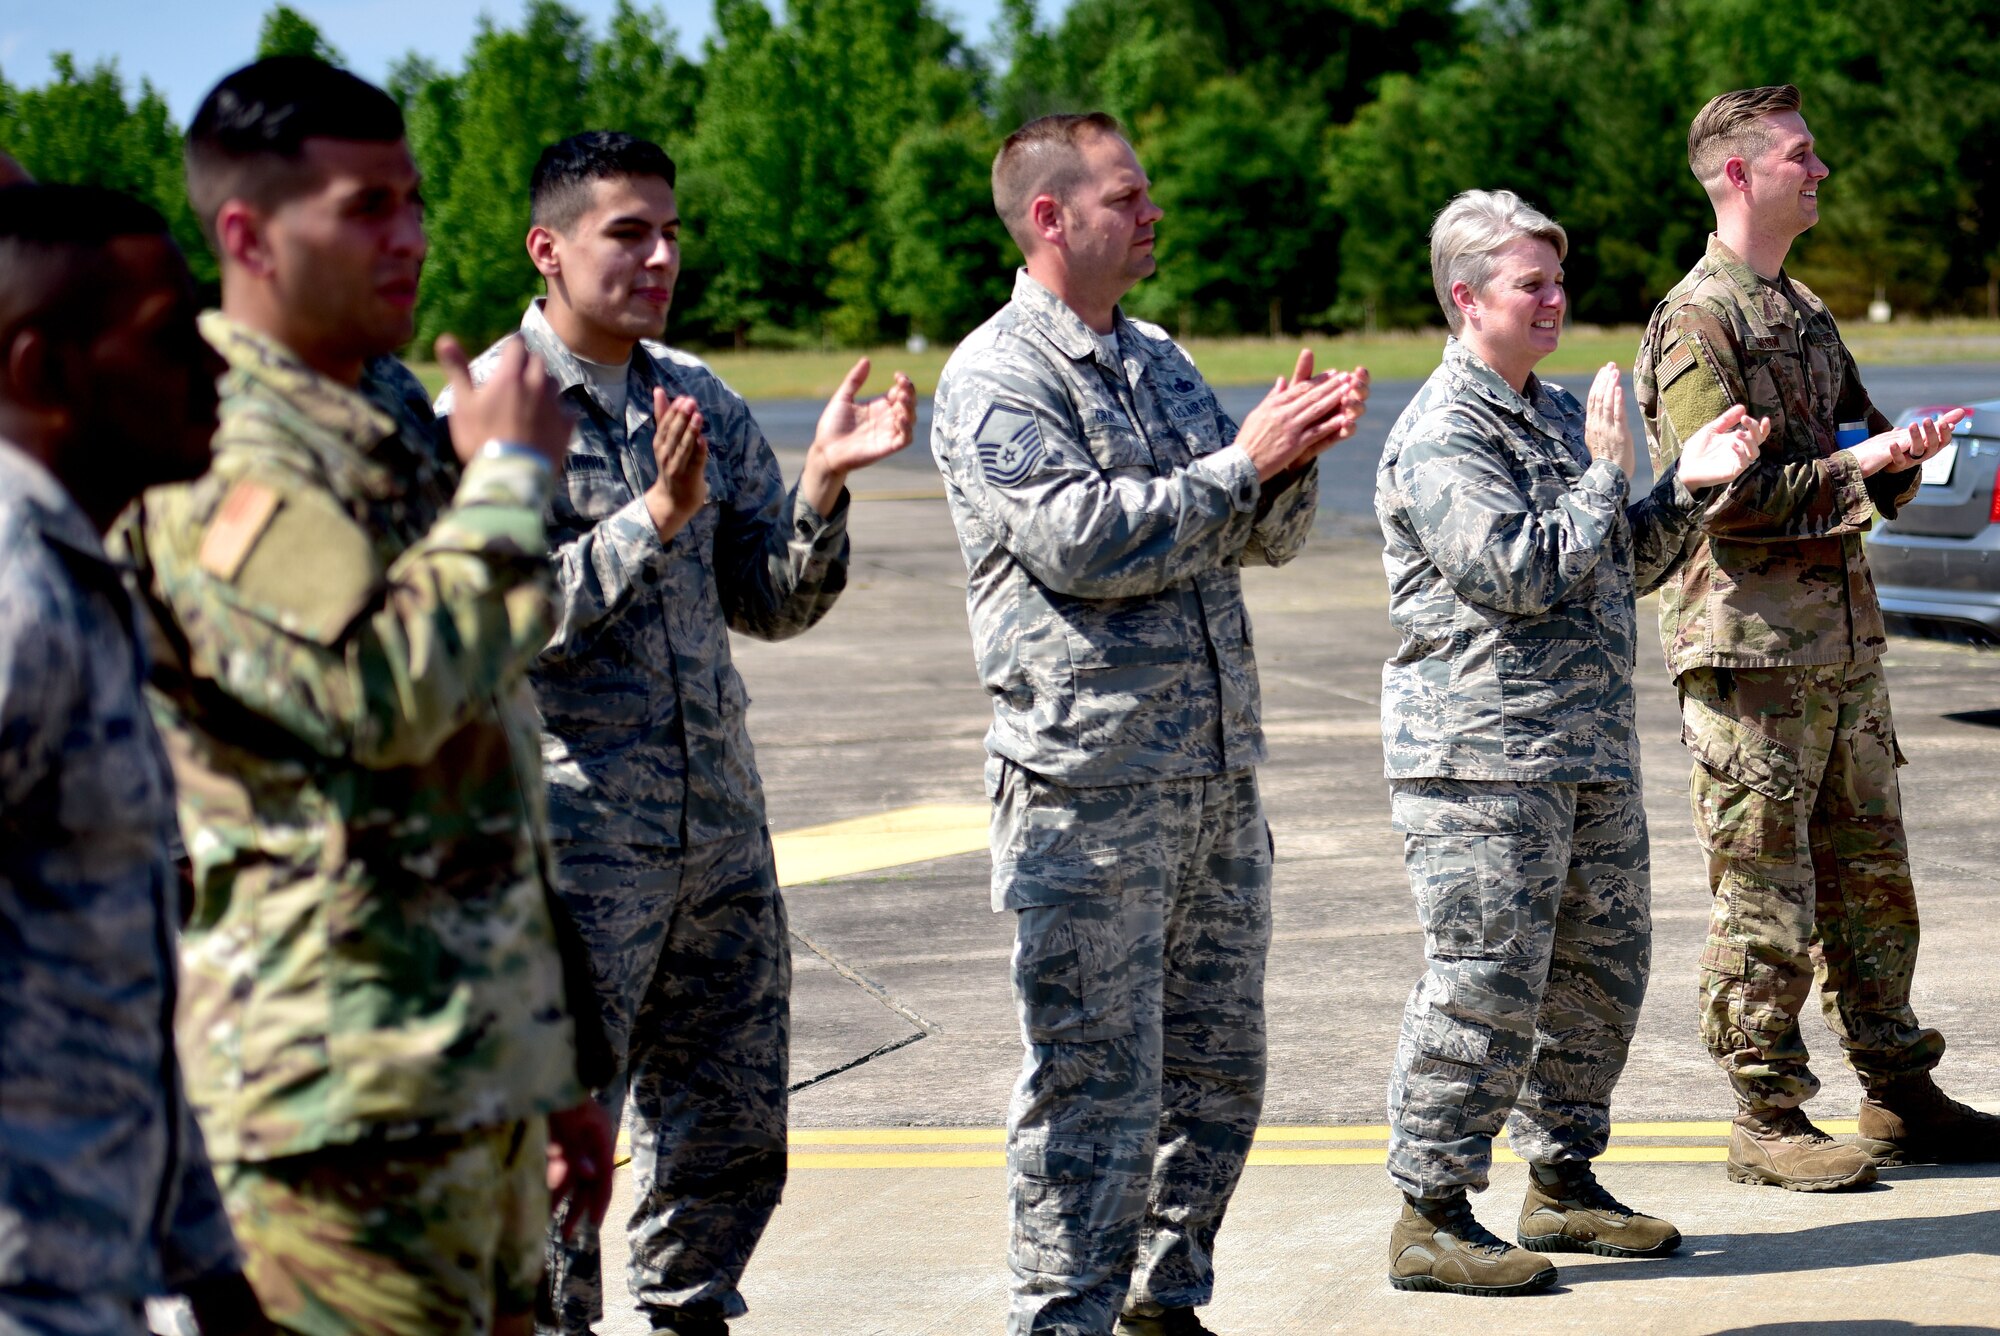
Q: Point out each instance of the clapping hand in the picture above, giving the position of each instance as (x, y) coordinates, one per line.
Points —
(1722, 449)
(1605, 433)
(680, 456)
(1302, 416)
(854, 435)
(1912, 445)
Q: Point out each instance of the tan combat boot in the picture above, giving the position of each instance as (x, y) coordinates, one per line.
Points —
(1782, 1148)
(1911, 1121)
(1567, 1210)
(1438, 1245)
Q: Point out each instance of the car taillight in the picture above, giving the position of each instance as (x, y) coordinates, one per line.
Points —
(1993, 513)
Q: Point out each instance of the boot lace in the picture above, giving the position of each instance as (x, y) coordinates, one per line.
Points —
(1455, 1217)
(1793, 1125)
(1577, 1183)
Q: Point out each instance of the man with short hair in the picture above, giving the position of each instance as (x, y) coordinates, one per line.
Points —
(379, 1035)
(673, 528)
(105, 387)
(1774, 635)
(1105, 503)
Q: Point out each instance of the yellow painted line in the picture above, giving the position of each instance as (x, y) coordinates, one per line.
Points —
(995, 1159)
(884, 840)
(899, 1136)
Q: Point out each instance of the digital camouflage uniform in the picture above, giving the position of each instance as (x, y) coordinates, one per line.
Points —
(1774, 635)
(341, 625)
(1104, 512)
(1508, 732)
(658, 814)
(105, 1191)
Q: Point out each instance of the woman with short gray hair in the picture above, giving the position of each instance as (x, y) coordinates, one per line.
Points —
(1514, 556)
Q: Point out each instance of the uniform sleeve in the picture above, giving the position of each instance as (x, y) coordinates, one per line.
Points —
(1461, 499)
(199, 1243)
(1889, 491)
(1662, 521)
(1775, 499)
(1286, 506)
(1007, 447)
(39, 658)
(779, 564)
(305, 629)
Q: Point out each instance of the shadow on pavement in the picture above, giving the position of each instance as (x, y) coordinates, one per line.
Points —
(1839, 1328)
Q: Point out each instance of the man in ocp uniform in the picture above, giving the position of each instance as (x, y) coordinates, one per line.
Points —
(1774, 634)
(381, 1040)
(1104, 503)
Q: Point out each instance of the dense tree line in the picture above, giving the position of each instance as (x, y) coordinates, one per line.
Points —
(834, 153)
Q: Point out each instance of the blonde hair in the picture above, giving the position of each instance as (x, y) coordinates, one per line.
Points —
(1470, 229)
(1732, 126)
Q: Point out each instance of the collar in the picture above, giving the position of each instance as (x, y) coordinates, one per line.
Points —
(564, 366)
(1062, 326)
(1719, 259)
(354, 418)
(1530, 404)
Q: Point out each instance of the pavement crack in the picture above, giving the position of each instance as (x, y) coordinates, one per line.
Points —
(924, 1026)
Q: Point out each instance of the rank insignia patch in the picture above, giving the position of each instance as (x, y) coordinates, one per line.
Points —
(1009, 445)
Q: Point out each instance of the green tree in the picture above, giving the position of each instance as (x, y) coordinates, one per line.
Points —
(286, 32)
(950, 261)
(520, 90)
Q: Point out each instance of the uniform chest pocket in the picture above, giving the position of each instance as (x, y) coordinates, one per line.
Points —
(1117, 448)
(1776, 382)
(593, 485)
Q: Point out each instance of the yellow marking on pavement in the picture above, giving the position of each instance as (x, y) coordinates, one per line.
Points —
(884, 840)
(1701, 1142)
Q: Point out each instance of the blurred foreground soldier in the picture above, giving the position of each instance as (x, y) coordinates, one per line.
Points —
(105, 388)
(1514, 554)
(374, 1021)
(1774, 635)
(673, 528)
(1105, 503)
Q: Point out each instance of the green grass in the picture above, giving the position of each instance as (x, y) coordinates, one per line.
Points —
(1394, 356)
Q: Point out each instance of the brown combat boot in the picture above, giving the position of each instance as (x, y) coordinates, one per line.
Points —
(1438, 1245)
(1911, 1121)
(1782, 1148)
(1568, 1210)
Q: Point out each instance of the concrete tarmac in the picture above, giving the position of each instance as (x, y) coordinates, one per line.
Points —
(906, 1043)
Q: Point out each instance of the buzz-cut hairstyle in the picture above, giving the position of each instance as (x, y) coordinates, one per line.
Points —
(1732, 126)
(1043, 157)
(248, 139)
(559, 191)
(52, 243)
(1471, 229)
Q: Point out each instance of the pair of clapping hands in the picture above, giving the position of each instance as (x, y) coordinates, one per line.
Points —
(1722, 449)
(1302, 417)
(518, 403)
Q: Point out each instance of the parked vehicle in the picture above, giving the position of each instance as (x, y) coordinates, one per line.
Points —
(1937, 564)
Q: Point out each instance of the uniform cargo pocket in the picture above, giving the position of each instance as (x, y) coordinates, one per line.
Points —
(1073, 950)
(1745, 788)
(1053, 1185)
(1468, 876)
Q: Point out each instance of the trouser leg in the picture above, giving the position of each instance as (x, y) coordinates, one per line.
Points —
(1760, 739)
(1488, 862)
(709, 1062)
(1865, 945)
(621, 898)
(1218, 933)
(1087, 873)
(1597, 980)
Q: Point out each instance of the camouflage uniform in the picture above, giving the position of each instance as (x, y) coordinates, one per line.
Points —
(105, 1191)
(658, 813)
(1104, 512)
(1507, 726)
(1774, 635)
(342, 625)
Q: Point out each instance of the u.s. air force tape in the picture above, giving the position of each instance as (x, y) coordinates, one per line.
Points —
(1010, 445)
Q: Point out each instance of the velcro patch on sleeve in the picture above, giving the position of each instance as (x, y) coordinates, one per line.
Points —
(1009, 442)
(1674, 365)
(239, 522)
